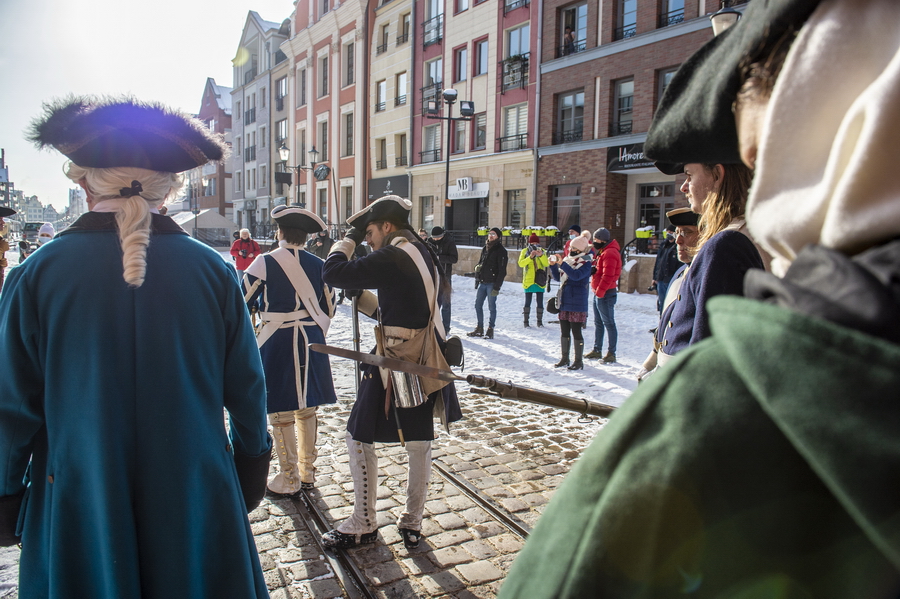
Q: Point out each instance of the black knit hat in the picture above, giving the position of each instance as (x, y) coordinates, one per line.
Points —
(575, 228)
(497, 231)
(437, 231)
(694, 121)
(296, 217)
(112, 133)
(390, 208)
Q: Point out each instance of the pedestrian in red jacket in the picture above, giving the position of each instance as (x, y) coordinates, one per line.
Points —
(604, 284)
(244, 251)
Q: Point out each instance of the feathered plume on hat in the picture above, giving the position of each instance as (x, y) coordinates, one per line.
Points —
(107, 132)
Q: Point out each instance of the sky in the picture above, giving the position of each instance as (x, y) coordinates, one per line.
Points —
(160, 50)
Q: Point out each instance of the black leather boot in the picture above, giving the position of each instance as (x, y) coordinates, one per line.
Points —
(478, 332)
(527, 312)
(579, 350)
(489, 334)
(564, 344)
(540, 316)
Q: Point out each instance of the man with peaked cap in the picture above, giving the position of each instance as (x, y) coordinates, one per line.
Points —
(687, 233)
(295, 309)
(115, 459)
(408, 278)
(4, 244)
(762, 461)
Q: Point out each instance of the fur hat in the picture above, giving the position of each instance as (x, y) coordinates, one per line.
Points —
(683, 217)
(112, 133)
(603, 235)
(296, 217)
(580, 243)
(392, 208)
(694, 121)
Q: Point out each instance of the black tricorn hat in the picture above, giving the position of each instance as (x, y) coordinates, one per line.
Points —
(106, 133)
(392, 208)
(296, 217)
(683, 217)
(694, 121)
(4, 211)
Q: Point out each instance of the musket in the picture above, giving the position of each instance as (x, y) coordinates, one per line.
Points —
(484, 384)
(356, 339)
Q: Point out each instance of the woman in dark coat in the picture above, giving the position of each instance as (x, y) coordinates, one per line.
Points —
(574, 273)
(489, 275)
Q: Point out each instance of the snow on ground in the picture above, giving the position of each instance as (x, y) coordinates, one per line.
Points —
(526, 356)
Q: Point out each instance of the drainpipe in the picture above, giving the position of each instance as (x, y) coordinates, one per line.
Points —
(537, 113)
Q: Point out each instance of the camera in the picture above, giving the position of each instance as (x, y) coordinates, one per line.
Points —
(533, 247)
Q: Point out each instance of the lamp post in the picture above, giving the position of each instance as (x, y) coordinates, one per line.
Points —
(724, 18)
(320, 172)
(466, 111)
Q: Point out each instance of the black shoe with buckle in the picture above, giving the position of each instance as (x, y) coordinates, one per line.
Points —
(335, 539)
(411, 537)
(307, 486)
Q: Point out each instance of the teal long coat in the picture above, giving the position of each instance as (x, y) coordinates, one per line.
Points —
(760, 462)
(115, 396)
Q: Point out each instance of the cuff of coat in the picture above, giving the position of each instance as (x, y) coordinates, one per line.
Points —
(10, 506)
(345, 246)
(253, 471)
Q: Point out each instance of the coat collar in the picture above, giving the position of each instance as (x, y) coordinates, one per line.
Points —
(106, 221)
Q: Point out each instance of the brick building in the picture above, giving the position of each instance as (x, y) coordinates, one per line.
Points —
(209, 186)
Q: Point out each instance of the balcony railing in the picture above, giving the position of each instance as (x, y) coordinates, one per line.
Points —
(402, 39)
(511, 5)
(249, 153)
(379, 106)
(569, 136)
(571, 48)
(250, 116)
(622, 33)
(621, 128)
(401, 161)
(400, 100)
(430, 155)
(380, 165)
(511, 143)
(433, 31)
(671, 18)
(514, 72)
(249, 75)
(431, 92)
(381, 49)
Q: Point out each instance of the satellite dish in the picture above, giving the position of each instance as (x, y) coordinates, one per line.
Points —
(321, 172)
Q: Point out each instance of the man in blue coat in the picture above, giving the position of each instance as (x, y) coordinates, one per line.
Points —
(295, 309)
(392, 407)
(117, 379)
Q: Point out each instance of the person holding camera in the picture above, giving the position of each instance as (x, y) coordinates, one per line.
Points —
(489, 274)
(244, 250)
(534, 263)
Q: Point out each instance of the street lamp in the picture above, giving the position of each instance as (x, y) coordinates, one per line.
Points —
(724, 18)
(320, 172)
(466, 111)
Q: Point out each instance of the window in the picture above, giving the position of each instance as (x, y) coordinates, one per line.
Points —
(627, 19)
(566, 205)
(622, 110)
(515, 128)
(400, 150)
(301, 88)
(323, 203)
(460, 60)
(427, 212)
(348, 134)
(671, 12)
(517, 41)
(262, 137)
(325, 4)
(431, 144)
(434, 72)
(281, 131)
(262, 97)
(348, 202)
(481, 57)
(380, 95)
(400, 89)
(237, 146)
(663, 78)
(479, 138)
(381, 154)
(433, 27)
(383, 46)
(280, 92)
(237, 181)
(405, 22)
(459, 137)
(349, 76)
(323, 140)
(570, 117)
(237, 107)
(301, 147)
(323, 76)
(515, 208)
(462, 5)
(263, 179)
(655, 199)
(209, 186)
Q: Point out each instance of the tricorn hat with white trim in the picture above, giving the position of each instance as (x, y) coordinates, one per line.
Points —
(296, 217)
(392, 208)
(683, 217)
(107, 133)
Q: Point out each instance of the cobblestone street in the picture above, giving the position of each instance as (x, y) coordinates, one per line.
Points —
(514, 453)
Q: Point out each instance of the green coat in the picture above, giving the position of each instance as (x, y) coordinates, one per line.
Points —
(761, 462)
(112, 407)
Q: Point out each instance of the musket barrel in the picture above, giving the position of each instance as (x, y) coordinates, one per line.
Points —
(511, 391)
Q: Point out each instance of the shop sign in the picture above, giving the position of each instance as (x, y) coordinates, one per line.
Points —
(625, 158)
(466, 190)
